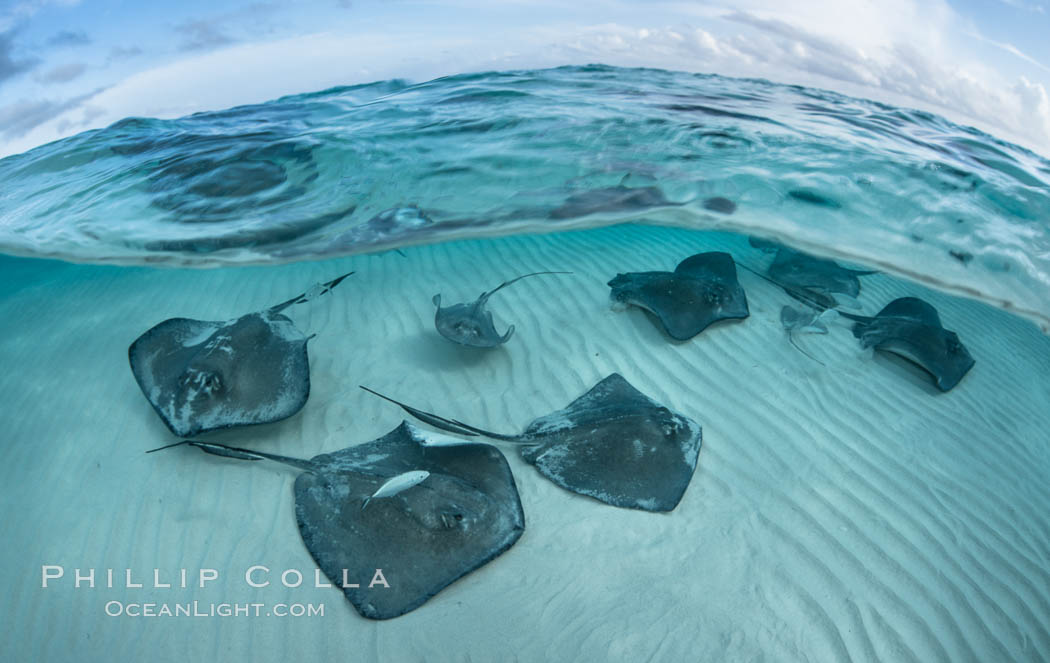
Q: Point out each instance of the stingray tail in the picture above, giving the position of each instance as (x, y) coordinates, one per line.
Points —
(862, 323)
(506, 283)
(312, 293)
(800, 294)
(238, 453)
(450, 425)
(791, 339)
(855, 317)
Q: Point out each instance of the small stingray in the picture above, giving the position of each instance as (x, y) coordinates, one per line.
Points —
(817, 276)
(618, 198)
(202, 375)
(424, 537)
(813, 198)
(802, 322)
(386, 225)
(703, 289)
(720, 204)
(911, 328)
(764, 245)
(614, 444)
(470, 323)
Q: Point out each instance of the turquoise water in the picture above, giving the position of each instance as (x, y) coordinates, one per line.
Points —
(842, 508)
(485, 154)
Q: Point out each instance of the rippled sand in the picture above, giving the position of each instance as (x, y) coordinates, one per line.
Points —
(841, 513)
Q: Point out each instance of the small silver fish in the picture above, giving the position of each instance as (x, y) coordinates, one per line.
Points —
(397, 484)
(427, 439)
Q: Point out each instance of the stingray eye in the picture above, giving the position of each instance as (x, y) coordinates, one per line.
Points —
(671, 428)
(451, 520)
(212, 382)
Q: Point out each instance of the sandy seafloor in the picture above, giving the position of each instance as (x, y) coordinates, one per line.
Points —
(843, 513)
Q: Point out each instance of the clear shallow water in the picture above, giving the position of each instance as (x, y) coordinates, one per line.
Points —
(842, 509)
(311, 175)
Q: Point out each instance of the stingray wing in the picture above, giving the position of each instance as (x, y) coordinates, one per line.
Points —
(424, 538)
(911, 308)
(716, 265)
(617, 445)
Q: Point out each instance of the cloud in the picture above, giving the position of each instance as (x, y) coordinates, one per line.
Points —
(9, 65)
(69, 38)
(201, 34)
(214, 31)
(1025, 6)
(1034, 105)
(1009, 48)
(15, 13)
(19, 118)
(124, 52)
(63, 73)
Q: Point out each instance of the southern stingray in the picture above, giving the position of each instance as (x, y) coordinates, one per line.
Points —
(815, 280)
(202, 375)
(803, 322)
(615, 199)
(702, 289)
(911, 328)
(387, 226)
(764, 245)
(470, 323)
(613, 443)
(432, 517)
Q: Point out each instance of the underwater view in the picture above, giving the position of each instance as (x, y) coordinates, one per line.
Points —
(581, 363)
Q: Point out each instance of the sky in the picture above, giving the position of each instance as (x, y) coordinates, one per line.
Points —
(71, 65)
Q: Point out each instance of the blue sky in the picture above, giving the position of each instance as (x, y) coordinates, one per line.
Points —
(71, 65)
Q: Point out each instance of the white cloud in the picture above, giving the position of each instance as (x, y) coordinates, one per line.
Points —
(1026, 6)
(1034, 106)
(63, 73)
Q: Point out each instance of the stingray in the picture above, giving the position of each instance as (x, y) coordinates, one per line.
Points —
(720, 205)
(702, 289)
(803, 322)
(386, 226)
(423, 537)
(470, 323)
(816, 278)
(613, 443)
(911, 328)
(202, 375)
(764, 245)
(614, 199)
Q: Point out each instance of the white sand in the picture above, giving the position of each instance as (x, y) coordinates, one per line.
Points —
(840, 513)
